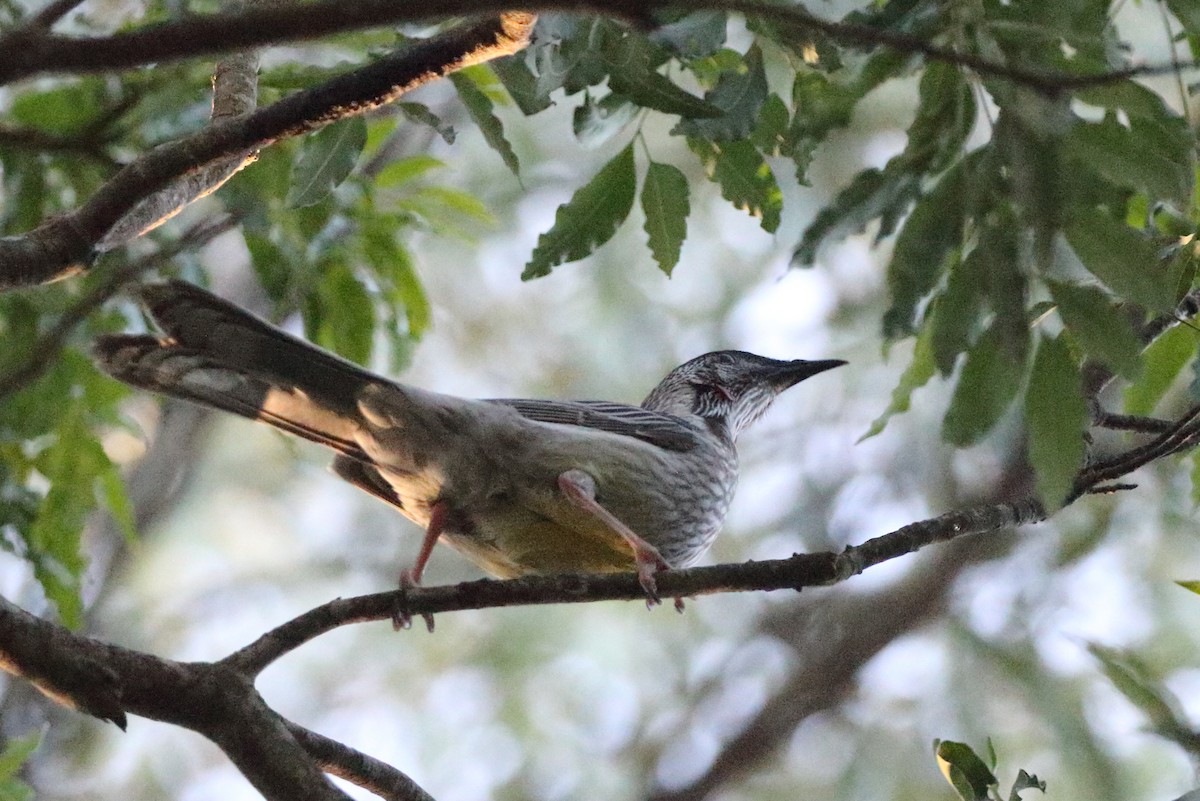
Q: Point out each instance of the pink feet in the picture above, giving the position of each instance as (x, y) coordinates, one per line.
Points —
(580, 489)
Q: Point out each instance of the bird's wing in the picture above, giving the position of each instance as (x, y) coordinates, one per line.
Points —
(663, 430)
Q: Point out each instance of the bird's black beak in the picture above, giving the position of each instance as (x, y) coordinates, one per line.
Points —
(793, 372)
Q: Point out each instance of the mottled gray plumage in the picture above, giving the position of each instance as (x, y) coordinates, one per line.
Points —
(518, 486)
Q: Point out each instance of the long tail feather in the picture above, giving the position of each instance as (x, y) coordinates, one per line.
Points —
(218, 355)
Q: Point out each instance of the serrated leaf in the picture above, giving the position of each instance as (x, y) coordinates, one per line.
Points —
(1102, 330)
(745, 179)
(954, 314)
(1140, 156)
(965, 771)
(479, 107)
(521, 83)
(739, 95)
(945, 117)
(665, 204)
(932, 232)
(914, 377)
(1125, 260)
(632, 74)
(770, 132)
(326, 158)
(989, 381)
(1056, 415)
(420, 114)
(871, 194)
(588, 219)
(695, 35)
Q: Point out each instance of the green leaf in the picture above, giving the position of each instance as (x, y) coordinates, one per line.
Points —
(631, 73)
(1056, 414)
(1188, 14)
(954, 314)
(1101, 329)
(401, 171)
(325, 160)
(871, 194)
(596, 122)
(1195, 476)
(1162, 363)
(479, 107)
(990, 379)
(931, 234)
(589, 218)
(1191, 586)
(695, 35)
(665, 204)
(745, 178)
(965, 771)
(1133, 680)
(915, 376)
(521, 84)
(393, 266)
(739, 95)
(1142, 156)
(420, 114)
(770, 132)
(346, 319)
(72, 465)
(1125, 260)
(17, 751)
(12, 760)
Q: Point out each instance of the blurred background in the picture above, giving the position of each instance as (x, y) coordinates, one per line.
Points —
(829, 693)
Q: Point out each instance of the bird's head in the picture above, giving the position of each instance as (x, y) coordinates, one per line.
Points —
(730, 386)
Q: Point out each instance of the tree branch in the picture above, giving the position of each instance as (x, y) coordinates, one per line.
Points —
(65, 245)
(235, 93)
(108, 681)
(357, 768)
(33, 52)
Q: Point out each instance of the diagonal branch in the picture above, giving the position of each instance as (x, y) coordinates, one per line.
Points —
(33, 52)
(357, 768)
(65, 245)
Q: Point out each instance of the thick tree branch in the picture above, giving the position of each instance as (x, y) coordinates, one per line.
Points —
(220, 703)
(235, 93)
(65, 245)
(36, 52)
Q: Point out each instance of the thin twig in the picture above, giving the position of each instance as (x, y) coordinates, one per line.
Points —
(1126, 422)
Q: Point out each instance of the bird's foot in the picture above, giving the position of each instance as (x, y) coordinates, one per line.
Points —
(401, 614)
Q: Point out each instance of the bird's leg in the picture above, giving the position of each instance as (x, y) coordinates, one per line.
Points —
(580, 489)
(411, 576)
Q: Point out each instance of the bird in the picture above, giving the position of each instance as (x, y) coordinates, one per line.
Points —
(517, 486)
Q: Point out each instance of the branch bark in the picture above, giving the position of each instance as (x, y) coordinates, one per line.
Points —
(66, 244)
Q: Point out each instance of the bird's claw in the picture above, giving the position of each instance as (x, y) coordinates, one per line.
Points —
(401, 614)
